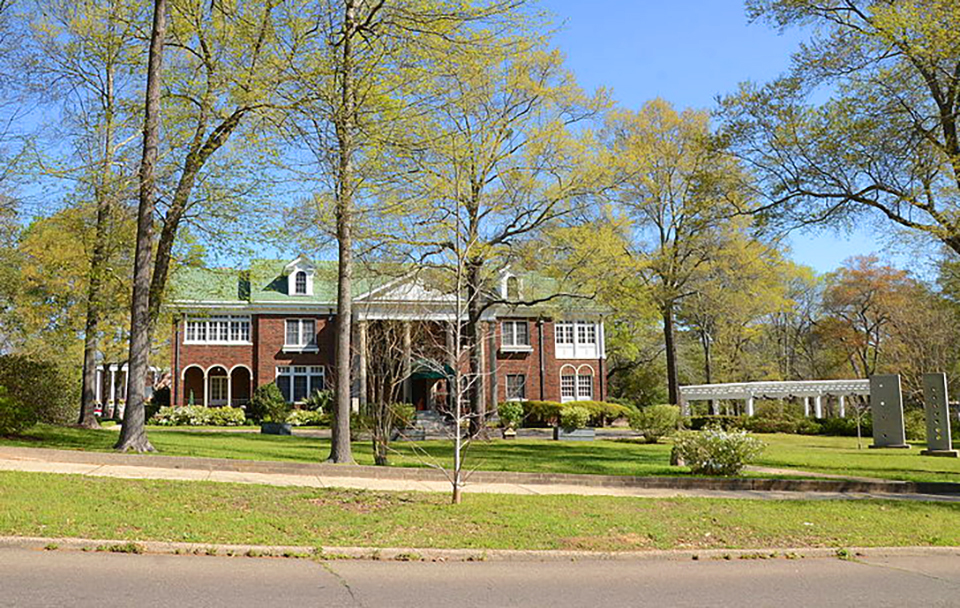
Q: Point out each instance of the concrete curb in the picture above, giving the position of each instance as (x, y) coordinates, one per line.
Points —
(406, 554)
(491, 477)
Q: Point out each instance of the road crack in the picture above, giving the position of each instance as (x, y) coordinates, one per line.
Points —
(343, 582)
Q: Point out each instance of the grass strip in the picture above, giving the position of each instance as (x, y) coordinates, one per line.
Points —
(51, 505)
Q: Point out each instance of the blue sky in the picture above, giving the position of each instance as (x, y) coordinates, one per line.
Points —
(688, 52)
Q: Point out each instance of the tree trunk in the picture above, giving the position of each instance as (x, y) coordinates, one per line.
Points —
(475, 340)
(340, 436)
(133, 434)
(670, 346)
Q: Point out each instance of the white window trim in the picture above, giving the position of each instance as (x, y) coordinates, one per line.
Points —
(584, 371)
(301, 347)
(578, 349)
(309, 372)
(506, 387)
(512, 346)
(229, 319)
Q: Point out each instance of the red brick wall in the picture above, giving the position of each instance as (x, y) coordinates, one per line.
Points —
(529, 364)
(268, 336)
(205, 356)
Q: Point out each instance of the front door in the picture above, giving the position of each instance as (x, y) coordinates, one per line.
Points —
(218, 390)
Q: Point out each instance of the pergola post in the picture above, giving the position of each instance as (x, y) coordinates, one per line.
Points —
(842, 403)
(750, 405)
(818, 406)
(806, 407)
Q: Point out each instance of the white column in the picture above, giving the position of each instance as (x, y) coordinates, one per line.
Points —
(113, 385)
(750, 405)
(806, 406)
(206, 388)
(99, 389)
(684, 406)
(230, 389)
(407, 364)
(818, 406)
(842, 402)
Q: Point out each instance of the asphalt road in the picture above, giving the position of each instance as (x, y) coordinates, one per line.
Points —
(60, 578)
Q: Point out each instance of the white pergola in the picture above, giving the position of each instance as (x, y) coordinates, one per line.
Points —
(749, 391)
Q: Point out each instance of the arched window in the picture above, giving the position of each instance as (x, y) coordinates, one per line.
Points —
(301, 282)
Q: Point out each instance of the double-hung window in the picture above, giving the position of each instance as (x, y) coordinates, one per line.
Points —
(515, 335)
(576, 385)
(297, 382)
(568, 387)
(577, 340)
(225, 329)
(300, 334)
(516, 387)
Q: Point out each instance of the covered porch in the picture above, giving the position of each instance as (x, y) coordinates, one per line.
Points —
(216, 386)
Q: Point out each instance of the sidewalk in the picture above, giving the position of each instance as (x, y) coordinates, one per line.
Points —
(128, 466)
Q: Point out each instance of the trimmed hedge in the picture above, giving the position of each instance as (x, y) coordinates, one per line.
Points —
(547, 413)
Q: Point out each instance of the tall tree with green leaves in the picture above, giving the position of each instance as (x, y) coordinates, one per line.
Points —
(678, 190)
(885, 142)
(88, 50)
(506, 152)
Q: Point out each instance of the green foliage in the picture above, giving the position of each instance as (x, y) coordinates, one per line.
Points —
(268, 404)
(198, 415)
(41, 386)
(511, 414)
(320, 401)
(573, 417)
(15, 417)
(160, 398)
(915, 424)
(547, 413)
(714, 451)
(308, 418)
(404, 415)
(655, 421)
(725, 422)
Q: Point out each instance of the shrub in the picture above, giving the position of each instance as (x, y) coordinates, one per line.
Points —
(226, 416)
(541, 413)
(308, 418)
(845, 427)
(198, 415)
(15, 417)
(573, 417)
(268, 404)
(715, 451)
(404, 415)
(160, 398)
(656, 421)
(601, 413)
(511, 414)
(42, 387)
(320, 401)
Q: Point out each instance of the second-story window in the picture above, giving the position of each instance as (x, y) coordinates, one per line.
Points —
(227, 329)
(515, 333)
(300, 333)
(301, 283)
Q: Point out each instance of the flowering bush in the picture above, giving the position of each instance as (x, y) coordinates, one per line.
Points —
(574, 417)
(197, 415)
(714, 451)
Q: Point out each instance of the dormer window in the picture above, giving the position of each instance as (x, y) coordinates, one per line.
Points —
(299, 275)
(510, 287)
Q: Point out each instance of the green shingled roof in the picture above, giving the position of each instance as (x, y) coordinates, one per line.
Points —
(264, 282)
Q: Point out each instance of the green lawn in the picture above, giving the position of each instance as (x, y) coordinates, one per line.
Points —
(34, 504)
(836, 455)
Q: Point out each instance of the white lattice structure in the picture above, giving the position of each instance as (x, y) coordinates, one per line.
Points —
(749, 391)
